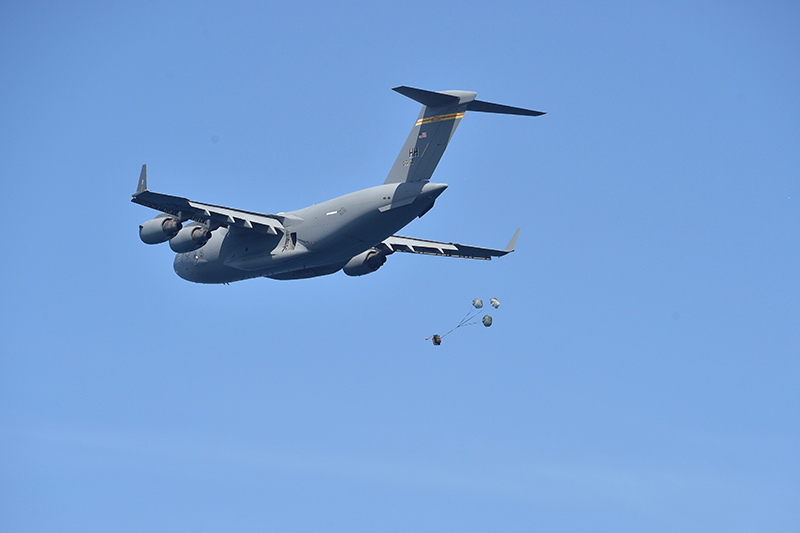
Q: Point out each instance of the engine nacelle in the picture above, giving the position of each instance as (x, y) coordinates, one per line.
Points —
(365, 262)
(190, 239)
(160, 229)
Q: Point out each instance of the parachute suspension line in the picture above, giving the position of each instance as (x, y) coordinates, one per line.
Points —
(466, 321)
(470, 319)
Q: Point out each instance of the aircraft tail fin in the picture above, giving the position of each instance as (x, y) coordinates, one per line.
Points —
(437, 122)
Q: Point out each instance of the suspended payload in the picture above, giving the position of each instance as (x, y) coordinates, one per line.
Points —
(437, 339)
(469, 320)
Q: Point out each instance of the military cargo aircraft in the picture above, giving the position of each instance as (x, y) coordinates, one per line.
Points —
(354, 232)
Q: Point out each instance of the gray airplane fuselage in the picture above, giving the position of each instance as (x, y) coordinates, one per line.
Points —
(354, 233)
(319, 240)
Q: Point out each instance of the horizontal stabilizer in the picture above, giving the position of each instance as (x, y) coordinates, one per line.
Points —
(443, 99)
(428, 98)
(488, 107)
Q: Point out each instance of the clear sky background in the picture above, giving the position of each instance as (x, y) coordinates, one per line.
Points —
(641, 373)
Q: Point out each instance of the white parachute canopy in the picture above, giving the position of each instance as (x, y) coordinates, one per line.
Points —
(495, 302)
(477, 303)
(487, 320)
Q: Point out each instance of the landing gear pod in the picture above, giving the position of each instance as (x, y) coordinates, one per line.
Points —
(190, 239)
(160, 229)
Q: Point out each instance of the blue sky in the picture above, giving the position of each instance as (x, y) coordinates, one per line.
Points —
(641, 373)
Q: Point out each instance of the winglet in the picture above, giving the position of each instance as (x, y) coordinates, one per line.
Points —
(142, 180)
(513, 243)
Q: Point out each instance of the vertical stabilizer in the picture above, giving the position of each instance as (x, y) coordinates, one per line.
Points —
(437, 122)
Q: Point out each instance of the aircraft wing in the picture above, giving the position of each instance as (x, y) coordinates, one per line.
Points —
(213, 215)
(396, 243)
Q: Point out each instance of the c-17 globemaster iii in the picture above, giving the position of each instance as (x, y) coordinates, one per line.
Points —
(354, 232)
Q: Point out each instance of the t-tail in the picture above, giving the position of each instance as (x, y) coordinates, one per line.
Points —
(435, 126)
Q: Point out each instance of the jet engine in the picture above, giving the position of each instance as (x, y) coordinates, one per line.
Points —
(160, 229)
(190, 239)
(365, 262)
